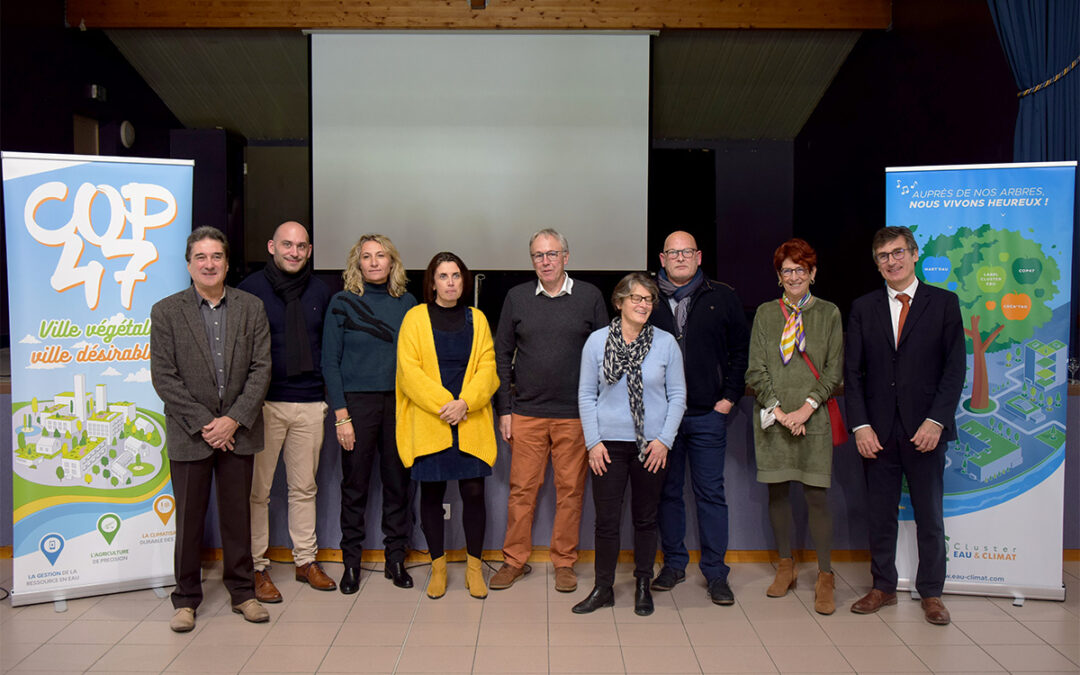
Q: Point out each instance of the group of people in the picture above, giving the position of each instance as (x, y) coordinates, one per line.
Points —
(248, 375)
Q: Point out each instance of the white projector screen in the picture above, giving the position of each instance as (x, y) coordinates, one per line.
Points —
(471, 142)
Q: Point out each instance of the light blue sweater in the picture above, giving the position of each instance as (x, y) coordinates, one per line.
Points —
(605, 409)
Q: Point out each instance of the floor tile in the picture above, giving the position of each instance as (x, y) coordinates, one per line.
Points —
(585, 659)
(136, 658)
(315, 634)
(808, 659)
(356, 634)
(425, 660)
(578, 634)
(796, 632)
(998, 633)
(511, 659)
(218, 658)
(93, 632)
(735, 659)
(514, 634)
(1056, 632)
(286, 658)
(953, 658)
(653, 634)
(63, 657)
(437, 634)
(877, 659)
(345, 659)
(1030, 657)
(658, 659)
(865, 633)
(922, 633)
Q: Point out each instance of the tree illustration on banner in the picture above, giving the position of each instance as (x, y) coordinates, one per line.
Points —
(1004, 282)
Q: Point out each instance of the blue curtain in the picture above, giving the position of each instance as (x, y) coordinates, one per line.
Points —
(1041, 38)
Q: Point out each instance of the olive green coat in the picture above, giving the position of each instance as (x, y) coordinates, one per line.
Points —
(780, 456)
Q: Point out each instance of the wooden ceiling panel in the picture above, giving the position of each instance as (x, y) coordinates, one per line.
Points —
(499, 14)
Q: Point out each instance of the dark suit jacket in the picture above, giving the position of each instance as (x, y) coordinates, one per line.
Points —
(183, 371)
(921, 378)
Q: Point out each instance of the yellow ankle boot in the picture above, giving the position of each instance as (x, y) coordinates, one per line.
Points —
(474, 577)
(436, 587)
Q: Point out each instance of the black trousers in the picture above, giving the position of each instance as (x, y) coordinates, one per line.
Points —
(925, 472)
(373, 422)
(608, 492)
(231, 474)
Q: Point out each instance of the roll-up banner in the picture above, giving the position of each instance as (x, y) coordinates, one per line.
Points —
(1000, 237)
(92, 243)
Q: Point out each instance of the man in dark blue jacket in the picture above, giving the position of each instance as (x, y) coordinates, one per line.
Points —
(294, 413)
(904, 368)
(708, 320)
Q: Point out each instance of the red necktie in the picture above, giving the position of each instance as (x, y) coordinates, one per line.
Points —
(906, 302)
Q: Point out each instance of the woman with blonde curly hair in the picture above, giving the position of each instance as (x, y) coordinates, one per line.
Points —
(359, 363)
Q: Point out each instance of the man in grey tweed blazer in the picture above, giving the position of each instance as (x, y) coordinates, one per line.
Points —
(210, 364)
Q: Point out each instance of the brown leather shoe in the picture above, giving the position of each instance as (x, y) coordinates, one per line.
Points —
(935, 612)
(873, 601)
(507, 575)
(265, 590)
(312, 575)
(565, 580)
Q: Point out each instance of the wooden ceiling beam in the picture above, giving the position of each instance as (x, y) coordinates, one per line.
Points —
(499, 14)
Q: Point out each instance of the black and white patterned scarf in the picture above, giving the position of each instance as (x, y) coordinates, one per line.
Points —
(625, 359)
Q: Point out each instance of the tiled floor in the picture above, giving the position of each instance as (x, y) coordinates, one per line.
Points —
(530, 629)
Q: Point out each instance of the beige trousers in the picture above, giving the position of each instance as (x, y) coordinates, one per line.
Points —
(295, 432)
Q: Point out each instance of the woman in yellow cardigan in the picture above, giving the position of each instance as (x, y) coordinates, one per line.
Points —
(445, 427)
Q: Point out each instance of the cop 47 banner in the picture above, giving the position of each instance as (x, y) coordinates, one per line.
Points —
(1000, 237)
(92, 243)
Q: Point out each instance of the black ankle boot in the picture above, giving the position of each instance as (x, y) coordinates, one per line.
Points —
(350, 581)
(395, 569)
(599, 597)
(643, 605)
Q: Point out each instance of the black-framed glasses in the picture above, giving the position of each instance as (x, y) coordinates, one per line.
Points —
(680, 252)
(896, 254)
(550, 255)
(638, 299)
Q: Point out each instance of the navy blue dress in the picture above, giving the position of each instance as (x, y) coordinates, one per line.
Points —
(453, 332)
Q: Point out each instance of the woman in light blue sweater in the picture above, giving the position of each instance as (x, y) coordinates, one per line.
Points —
(631, 396)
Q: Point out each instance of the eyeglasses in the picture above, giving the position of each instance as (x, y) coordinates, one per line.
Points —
(638, 299)
(788, 272)
(680, 252)
(896, 254)
(539, 256)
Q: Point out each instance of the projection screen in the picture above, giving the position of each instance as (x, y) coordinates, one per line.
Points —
(470, 142)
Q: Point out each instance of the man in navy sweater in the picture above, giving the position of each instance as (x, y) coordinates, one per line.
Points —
(707, 319)
(294, 412)
(542, 328)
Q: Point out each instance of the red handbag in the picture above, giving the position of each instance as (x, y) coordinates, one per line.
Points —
(839, 429)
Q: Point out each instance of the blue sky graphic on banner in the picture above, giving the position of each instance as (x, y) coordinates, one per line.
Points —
(92, 243)
(1000, 237)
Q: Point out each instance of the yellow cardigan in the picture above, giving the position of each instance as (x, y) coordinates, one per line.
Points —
(420, 393)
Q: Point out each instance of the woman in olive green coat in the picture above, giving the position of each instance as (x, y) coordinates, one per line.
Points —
(792, 433)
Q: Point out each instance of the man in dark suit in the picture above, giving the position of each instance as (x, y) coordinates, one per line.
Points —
(210, 364)
(903, 375)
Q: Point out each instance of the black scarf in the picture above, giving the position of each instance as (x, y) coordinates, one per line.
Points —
(681, 294)
(289, 287)
(625, 359)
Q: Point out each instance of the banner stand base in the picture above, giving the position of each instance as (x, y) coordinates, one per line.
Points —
(1018, 594)
(59, 597)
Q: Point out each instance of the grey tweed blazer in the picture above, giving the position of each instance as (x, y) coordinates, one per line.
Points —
(182, 371)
